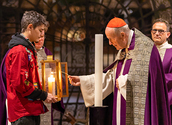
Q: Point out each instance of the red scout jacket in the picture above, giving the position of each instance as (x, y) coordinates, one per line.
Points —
(23, 80)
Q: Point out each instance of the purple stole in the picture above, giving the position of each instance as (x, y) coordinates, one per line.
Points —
(123, 102)
(3, 93)
(167, 65)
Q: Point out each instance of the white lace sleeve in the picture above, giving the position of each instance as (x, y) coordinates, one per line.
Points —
(88, 87)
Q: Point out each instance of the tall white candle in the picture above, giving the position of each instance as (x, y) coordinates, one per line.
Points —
(98, 69)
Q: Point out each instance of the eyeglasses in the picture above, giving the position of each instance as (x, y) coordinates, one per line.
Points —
(159, 31)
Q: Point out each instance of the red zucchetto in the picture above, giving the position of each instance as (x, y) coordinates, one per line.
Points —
(116, 23)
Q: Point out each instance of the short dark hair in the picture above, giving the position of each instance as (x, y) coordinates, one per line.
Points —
(162, 21)
(34, 18)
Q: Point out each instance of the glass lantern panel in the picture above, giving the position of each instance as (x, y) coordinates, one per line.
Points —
(64, 79)
(50, 81)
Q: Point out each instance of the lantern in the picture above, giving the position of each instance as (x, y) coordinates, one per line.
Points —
(55, 77)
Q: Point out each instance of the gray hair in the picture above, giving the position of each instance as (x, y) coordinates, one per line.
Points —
(34, 18)
(162, 21)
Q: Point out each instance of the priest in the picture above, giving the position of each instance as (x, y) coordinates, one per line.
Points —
(135, 79)
(160, 33)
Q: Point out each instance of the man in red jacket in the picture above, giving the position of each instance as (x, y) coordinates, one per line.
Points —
(24, 90)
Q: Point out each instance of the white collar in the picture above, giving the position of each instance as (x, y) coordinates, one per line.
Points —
(164, 45)
(129, 40)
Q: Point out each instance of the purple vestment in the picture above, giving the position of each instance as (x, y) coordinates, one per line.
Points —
(3, 93)
(157, 110)
(167, 65)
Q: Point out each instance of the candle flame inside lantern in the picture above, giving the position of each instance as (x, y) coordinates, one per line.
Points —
(51, 84)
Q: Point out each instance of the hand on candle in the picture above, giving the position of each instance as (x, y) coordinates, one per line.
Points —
(74, 80)
(50, 98)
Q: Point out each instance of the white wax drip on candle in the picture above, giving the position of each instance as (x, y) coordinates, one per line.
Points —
(98, 69)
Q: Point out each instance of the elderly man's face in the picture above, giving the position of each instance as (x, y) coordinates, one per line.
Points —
(117, 41)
